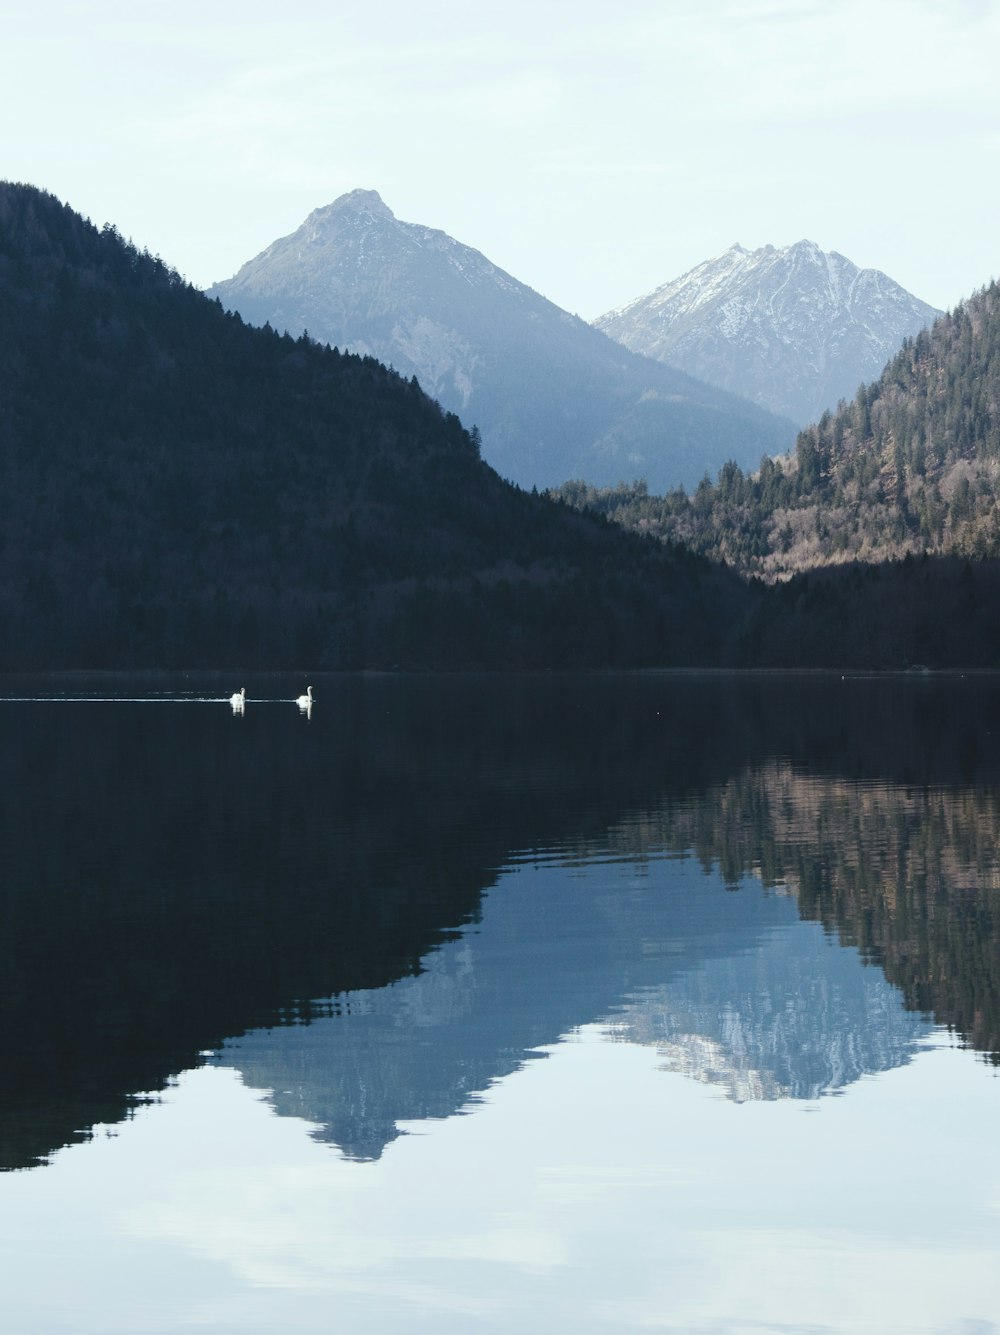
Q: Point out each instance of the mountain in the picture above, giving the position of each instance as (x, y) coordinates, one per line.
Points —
(882, 530)
(552, 396)
(908, 467)
(179, 489)
(795, 329)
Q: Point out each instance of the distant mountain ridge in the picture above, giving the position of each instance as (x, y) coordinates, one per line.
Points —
(793, 328)
(553, 397)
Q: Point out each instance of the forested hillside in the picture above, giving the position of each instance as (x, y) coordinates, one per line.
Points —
(911, 465)
(178, 489)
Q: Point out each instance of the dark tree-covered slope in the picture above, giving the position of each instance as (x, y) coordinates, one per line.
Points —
(177, 488)
(911, 465)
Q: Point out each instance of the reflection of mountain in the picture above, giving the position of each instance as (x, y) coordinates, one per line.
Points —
(172, 877)
(794, 1016)
(733, 987)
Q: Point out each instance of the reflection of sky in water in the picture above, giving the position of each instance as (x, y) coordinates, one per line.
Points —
(730, 987)
(592, 1192)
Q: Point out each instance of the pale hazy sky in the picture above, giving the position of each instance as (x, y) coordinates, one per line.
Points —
(593, 148)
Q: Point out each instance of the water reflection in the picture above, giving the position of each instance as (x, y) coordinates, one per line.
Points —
(776, 884)
(732, 989)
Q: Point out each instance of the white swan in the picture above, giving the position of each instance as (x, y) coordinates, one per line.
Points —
(305, 701)
(238, 701)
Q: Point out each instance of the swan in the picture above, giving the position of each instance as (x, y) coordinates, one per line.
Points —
(239, 700)
(305, 701)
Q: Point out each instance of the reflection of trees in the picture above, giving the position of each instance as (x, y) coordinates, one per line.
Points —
(919, 893)
(908, 874)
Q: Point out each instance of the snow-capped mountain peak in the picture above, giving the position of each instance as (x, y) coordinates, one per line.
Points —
(795, 328)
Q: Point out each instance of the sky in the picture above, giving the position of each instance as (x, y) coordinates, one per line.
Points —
(592, 148)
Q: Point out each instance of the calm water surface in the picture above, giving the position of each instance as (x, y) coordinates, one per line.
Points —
(550, 1004)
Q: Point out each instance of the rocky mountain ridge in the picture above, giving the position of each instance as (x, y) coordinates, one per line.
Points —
(794, 328)
(553, 397)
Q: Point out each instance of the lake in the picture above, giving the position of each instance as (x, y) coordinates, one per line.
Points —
(550, 1003)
